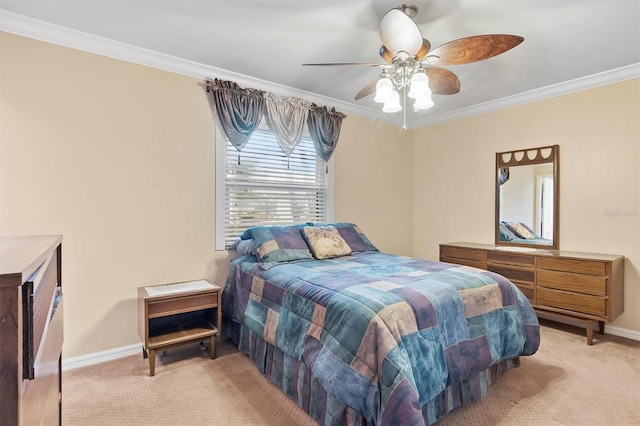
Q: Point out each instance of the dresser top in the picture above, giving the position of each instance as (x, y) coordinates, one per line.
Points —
(24, 254)
(536, 251)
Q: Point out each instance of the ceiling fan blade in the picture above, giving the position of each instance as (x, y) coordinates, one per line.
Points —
(443, 81)
(366, 90)
(399, 32)
(345, 64)
(422, 53)
(472, 49)
(424, 49)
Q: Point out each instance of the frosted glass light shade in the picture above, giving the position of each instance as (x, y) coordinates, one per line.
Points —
(384, 88)
(393, 103)
(423, 102)
(419, 85)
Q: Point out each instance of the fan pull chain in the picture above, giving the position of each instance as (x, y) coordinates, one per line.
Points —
(404, 107)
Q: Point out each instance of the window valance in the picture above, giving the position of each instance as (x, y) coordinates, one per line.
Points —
(240, 111)
(324, 127)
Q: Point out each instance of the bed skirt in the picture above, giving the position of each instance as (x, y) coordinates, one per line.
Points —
(295, 379)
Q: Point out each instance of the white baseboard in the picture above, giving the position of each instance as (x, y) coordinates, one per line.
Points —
(111, 354)
(608, 329)
(623, 332)
(99, 357)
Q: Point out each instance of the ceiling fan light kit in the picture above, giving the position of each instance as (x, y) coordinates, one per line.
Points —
(404, 75)
(409, 61)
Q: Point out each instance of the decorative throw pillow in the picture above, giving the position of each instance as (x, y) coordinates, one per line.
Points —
(278, 243)
(354, 237)
(521, 230)
(506, 234)
(325, 242)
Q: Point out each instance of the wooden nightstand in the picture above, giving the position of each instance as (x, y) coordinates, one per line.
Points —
(174, 314)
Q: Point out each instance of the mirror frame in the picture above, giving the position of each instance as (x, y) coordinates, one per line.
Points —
(530, 156)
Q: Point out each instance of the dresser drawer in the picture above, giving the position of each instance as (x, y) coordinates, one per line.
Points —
(39, 293)
(511, 259)
(41, 397)
(463, 253)
(514, 274)
(464, 256)
(587, 284)
(579, 303)
(527, 290)
(465, 262)
(178, 305)
(579, 266)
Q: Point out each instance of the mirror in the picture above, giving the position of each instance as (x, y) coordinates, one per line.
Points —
(527, 198)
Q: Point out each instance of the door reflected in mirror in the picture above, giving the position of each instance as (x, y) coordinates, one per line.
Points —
(527, 197)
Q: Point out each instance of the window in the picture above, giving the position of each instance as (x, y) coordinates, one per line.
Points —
(544, 195)
(260, 186)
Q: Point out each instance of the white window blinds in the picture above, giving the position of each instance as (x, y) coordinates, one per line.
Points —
(264, 187)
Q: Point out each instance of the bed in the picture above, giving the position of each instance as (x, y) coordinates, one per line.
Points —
(357, 336)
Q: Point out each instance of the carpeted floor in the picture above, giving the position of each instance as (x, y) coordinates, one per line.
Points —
(565, 383)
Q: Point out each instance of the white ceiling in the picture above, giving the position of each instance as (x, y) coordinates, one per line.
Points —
(569, 45)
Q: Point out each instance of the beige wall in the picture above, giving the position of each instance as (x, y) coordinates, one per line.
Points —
(598, 132)
(373, 182)
(119, 158)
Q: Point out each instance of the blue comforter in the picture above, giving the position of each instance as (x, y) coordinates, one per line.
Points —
(384, 334)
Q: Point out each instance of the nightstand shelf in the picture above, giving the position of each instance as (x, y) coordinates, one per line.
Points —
(173, 314)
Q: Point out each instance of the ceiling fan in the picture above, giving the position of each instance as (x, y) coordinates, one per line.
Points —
(409, 61)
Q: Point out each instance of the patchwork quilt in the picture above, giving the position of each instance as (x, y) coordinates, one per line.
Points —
(384, 334)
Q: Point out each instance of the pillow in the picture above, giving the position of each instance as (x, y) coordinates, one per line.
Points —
(325, 242)
(248, 233)
(278, 243)
(506, 234)
(354, 237)
(521, 230)
(244, 247)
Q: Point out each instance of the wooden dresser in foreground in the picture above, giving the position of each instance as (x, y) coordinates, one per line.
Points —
(561, 284)
(30, 330)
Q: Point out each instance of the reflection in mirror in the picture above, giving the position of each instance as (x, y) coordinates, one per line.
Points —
(527, 197)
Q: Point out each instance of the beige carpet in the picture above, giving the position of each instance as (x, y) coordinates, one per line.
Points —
(565, 383)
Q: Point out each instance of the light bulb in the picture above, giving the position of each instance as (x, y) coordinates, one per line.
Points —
(384, 87)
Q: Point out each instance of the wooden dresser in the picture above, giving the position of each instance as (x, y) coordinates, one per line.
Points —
(561, 284)
(30, 330)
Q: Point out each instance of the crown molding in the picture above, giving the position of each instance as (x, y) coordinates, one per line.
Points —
(589, 82)
(51, 33)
